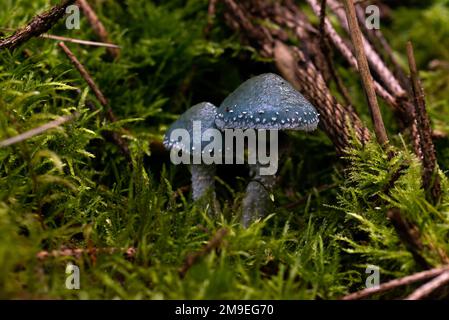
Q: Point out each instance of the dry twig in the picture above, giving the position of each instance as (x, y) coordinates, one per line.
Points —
(87, 77)
(326, 48)
(80, 41)
(211, 245)
(409, 235)
(97, 26)
(346, 52)
(117, 139)
(78, 252)
(391, 86)
(73, 40)
(210, 17)
(424, 130)
(396, 283)
(381, 45)
(39, 130)
(430, 287)
(367, 79)
(387, 77)
(37, 26)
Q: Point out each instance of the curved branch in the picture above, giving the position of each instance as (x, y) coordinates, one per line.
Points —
(40, 24)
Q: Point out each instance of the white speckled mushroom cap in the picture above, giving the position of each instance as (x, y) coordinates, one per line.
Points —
(204, 112)
(266, 102)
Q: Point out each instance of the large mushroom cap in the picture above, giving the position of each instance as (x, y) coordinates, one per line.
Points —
(266, 102)
(204, 112)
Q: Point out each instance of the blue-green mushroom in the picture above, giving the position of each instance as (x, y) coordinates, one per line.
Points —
(264, 102)
(202, 174)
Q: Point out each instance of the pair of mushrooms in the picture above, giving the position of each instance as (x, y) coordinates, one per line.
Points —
(264, 102)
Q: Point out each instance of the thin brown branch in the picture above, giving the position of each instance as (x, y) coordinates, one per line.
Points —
(193, 258)
(409, 235)
(391, 86)
(380, 44)
(37, 26)
(420, 276)
(80, 41)
(78, 252)
(73, 40)
(346, 52)
(88, 78)
(387, 77)
(116, 138)
(323, 18)
(367, 79)
(326, 48)
(356, 2)
(430, 178)
(211, 11)
(97, 26)
(416, 138)
(39, 130)
(429, 287)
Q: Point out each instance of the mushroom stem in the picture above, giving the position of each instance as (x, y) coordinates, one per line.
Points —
(203, 180)
(257, 199)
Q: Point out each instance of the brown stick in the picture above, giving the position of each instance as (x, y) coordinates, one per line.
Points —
(38, 25)
(409, 235)
(322, 29)
(36, 131)
(78, 252)
(367, 79)
(97, 26)
(73, 40)
(378, 41)
(387, 77)
(80, 41)
(212, 8)
(429, 287)
(416, 138)
(424, 130)
(403, 108)
(346, 52)
(326, 48)
(85, 74)
(118, 140)
(212, 244)
(87, 77)
(423, 275)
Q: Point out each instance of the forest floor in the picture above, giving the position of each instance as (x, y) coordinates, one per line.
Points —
(73, 195)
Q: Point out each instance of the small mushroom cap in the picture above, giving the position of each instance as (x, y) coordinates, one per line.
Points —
(204, 112)
(266, 102)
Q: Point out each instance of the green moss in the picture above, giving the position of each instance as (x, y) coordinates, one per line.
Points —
(70, 187)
